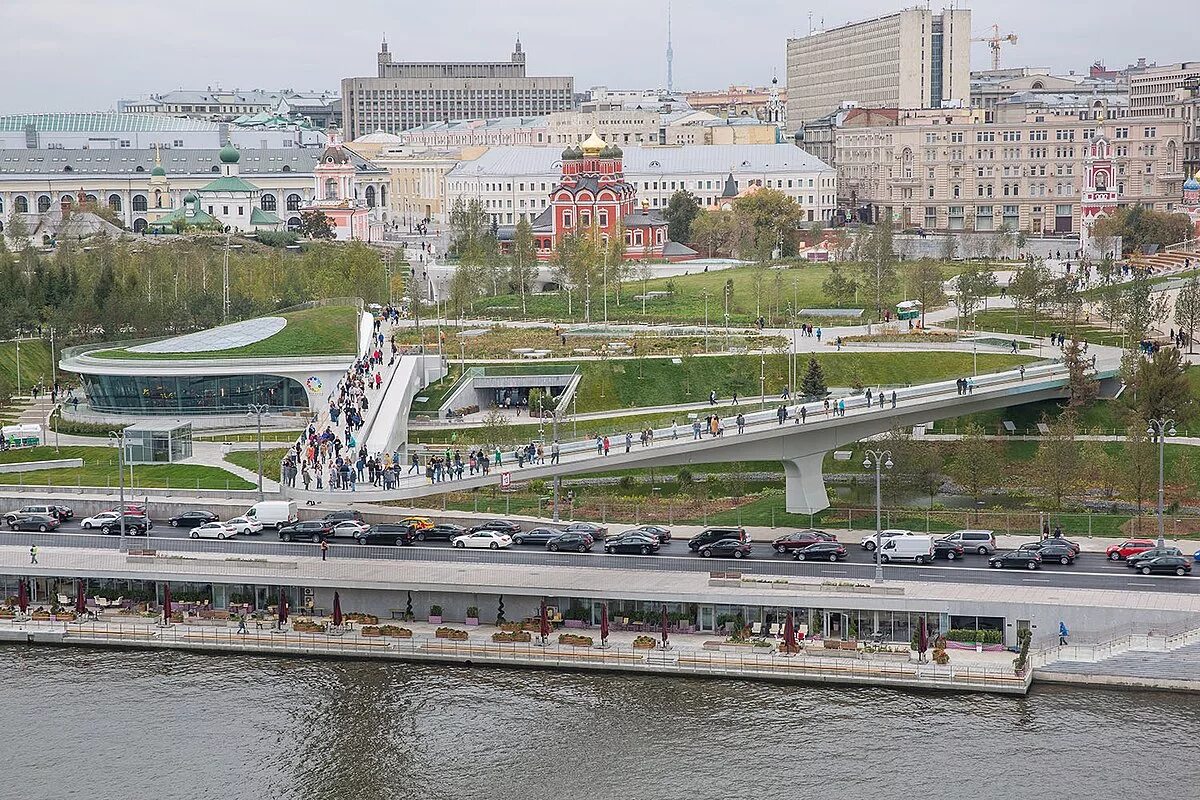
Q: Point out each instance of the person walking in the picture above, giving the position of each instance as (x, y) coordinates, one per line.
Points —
(606, 446)
(33, 554)
(893, 398)
(628, 441)
(1063, 633)
(741, 423)
(554, 452)
(324, 549)
(803, 415)
(674, 430)
(242, 624)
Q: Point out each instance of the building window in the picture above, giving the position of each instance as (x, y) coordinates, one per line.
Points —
(566, 219)
(293, 202)
(225, 211)
(268, 202)
(603, 217)
(21, 204)
(139, 202)
(370, 197)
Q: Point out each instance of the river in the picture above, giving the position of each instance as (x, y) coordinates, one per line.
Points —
(129, 725)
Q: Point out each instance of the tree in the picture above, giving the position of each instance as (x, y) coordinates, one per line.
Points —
(1187, 308)
(977, 463)
(813, 384)
(1140, 307)
(713, 231)
(1161, 388)
(877, 273)
(1081, 381)
(1056, 462)
(924, 281)
(1100, 470)
(1140, 228)
(18, 230)
(315, 225)
(839, 287)
(1027, 286)
(681, 211)
(1139, 463)
(769, 219)
(522, 261)
(971, 287)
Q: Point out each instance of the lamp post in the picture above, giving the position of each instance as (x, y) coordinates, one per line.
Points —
(706, 320)
(557, 479)
(1161, 428)
(762, 378)
(118, 438)
(258, 409)
(878, 459)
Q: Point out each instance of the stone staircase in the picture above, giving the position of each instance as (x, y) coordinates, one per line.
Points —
(1168, 660)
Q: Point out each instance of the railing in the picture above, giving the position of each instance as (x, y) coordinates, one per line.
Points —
(1151, 638)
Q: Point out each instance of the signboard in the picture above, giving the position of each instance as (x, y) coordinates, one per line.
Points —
(505, 480)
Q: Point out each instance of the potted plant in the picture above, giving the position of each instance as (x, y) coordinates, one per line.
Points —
(435, 615)
(472, 615)
(645, 643)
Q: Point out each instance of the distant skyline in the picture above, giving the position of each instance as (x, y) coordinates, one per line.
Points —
(80, 55)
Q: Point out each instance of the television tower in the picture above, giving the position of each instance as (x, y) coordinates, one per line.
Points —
(670, 53)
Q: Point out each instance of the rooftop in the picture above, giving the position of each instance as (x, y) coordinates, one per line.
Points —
(177, 162)
(102, 122)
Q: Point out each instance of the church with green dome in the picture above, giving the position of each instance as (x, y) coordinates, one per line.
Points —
(229, 201)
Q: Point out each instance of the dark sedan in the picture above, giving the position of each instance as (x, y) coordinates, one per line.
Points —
(444, 532)
(535, 536)
(1050, 550)
(949, 550)
(313, 530)
(34, 522)
(1059, 540)
(595, 530)
(192, 519)
(663, 534)
(821, 551)
(1016, 558)
(726, 548)
(499, 526)
(1166, 565)
(629, 542)
(341, 516)
(798, 540)
(387, 533)
(578, 541)
(1137, 558)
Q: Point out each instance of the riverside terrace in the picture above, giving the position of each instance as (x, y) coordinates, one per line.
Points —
(699, 604)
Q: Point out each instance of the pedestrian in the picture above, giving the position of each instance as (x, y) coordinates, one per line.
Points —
(324, 549)
(893, 398)
(735, 398)
(606, 446)
(628, 441)
(33, 554)
(1022, 369)
(741, 423)
(1063, 633)
(554, 451)
(868, 397)
(242, 624)
(803, 415)
(674, 430)
(712, 397)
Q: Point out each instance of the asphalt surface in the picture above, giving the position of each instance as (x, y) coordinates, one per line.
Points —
(1090, 570)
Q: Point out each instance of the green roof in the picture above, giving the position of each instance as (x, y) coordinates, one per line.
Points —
(230, 183)
(260, 217)
(192, 217)
(104, 121)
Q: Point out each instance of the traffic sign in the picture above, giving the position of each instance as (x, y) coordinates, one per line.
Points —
(505, 480)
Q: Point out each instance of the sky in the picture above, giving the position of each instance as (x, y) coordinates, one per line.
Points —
(84, 55)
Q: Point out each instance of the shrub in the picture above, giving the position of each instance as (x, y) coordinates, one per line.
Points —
(277, 238)
(435, 611)
(971, 636)
(473, 612)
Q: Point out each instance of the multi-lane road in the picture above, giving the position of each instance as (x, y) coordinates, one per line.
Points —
(1090, 570)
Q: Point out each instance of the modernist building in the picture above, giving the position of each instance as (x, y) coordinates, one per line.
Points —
(1153, 88)
(1186, 108)
(406, 94)
(911, 59)
(222, 104)
(105, 131)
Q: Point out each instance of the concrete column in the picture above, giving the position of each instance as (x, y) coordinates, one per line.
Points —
(805, 484)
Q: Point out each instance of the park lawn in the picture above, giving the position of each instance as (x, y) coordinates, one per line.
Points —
(100, 469)
(248, 459)
(35, 364)
(267, 436)
(1009, 320)
(319, 331)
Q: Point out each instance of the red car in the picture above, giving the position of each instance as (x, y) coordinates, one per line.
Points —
(798, 540)
(1129, 547)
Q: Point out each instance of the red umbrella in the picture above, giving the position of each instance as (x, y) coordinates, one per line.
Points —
(283, 609)
(80, 600)
(337, 610)
(22, 597)
(166, 602)
(664, 627)
(789, 633)
(545, 623)
(923, 638)
(604, 624)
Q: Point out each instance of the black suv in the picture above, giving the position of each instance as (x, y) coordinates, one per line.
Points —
(498, 525)
(340, 516)
(135, 525)
(445, 531)
(387, 533)
(313, 530)
(711, 535)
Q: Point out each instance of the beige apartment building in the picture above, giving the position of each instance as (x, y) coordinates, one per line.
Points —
(912, 59)
(417, 180)
(1152, 89)
(950, 170)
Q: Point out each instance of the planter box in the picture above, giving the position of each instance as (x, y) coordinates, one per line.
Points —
(451, 633)
(434, 620)
(513, 636)
(471, 621)
(575, 640)
(371, 630)
(398, 633)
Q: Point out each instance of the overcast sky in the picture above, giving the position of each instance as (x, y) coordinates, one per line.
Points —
(79, 55)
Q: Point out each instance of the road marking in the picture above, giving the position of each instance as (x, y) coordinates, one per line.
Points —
(1035, 580)
(1140, 583)
(835, 572)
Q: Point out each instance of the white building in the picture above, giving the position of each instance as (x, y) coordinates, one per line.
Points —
(106, 131)
(515, 182)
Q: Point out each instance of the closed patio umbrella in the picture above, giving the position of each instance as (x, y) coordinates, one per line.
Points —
(283, 608)
(166, 602)
(337, 610)
(923, 639)
(664, 627)
(545, 623)
(80, 599)
(22, 597)
(604, 624)
(789, 633)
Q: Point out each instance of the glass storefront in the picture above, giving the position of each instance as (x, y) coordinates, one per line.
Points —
(195, 394)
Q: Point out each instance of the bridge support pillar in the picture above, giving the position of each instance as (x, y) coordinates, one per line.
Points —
(805, 484)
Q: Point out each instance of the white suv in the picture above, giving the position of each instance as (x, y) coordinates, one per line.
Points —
(868, 541)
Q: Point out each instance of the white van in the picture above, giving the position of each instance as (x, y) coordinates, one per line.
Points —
(274, 513)
(918, 549)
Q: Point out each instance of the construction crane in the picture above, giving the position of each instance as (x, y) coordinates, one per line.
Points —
(994, 41)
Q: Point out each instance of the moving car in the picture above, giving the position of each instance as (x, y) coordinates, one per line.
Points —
(821, 551)
(507, 527)
(535, 536)
(484, 538)
(348, 529)
(339, 516)
(592, 529)
(135, 525)
(444, 531)
(1154, 552)
(390, 533)
(578, 541)
(417, 523)
(1016, 558)
(34, 522)
(246, 526)
(948, 549)
(313, 530)
(917, 549)
(1057, 552)
(663, 533)
(64, 512)
(798, 540)
(192, 519)
(46, 510)
(213, 530)
(868, 541)
(1075, 546)
(977, 541)
(1166, 565)
(274, 513)
(710, 535)
(632, 542)
(726, 548)
(98, 520)
(1129, 547)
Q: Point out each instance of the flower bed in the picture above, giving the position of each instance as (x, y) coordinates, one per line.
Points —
(308, 627)
(396, 631)
(512, 636)
(451, 633)
(645, 643)
(371, 630)
(574, 640)
(362, 619)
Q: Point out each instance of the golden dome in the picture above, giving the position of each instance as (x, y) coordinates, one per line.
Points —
(593, 145)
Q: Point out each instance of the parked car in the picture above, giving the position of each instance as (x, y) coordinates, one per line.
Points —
(444, 531)
(798, 540)
(213, 530)
(949, 549)
(64, 512)
(98, 520)
(1016, 558)
(34, 522)
(50, 510)
(312, 530)
(417, 523)
(1153, 552)
(348, 529)
(485, 537)
(868, 541)
(632, 542)
(710, 535)
(1166, 565)
(246, 526)
(578, 541)
(535, 536)
(663, 533)
(135, 525)
(592, 529)
(1057, 552)
(1075, 546)
(342, 515)
(977, 541)
(726, 548)
(390, 533)
(821, 551)
(192, 519)
(505, 526)
(1129, 547)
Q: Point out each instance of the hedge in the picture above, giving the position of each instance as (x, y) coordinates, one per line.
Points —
(975, 636)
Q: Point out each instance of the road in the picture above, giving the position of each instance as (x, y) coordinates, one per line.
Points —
(1090, 570)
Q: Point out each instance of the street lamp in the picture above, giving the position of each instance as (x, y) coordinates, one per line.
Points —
(258, 409)
(118, 438)
(878, 459)
(1161, 428)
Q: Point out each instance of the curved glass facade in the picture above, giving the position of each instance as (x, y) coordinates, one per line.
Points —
(193, 394)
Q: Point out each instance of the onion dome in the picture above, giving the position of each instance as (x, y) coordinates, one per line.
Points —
(1192, 184)
(570, 154)
(158, 171)
(593, 145)
(229, 154)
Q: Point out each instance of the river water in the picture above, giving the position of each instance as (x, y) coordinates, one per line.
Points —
(127, 725)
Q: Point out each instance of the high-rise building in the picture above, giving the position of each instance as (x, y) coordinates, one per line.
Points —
(1152, 88)
(911, 59)
(406, 94)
